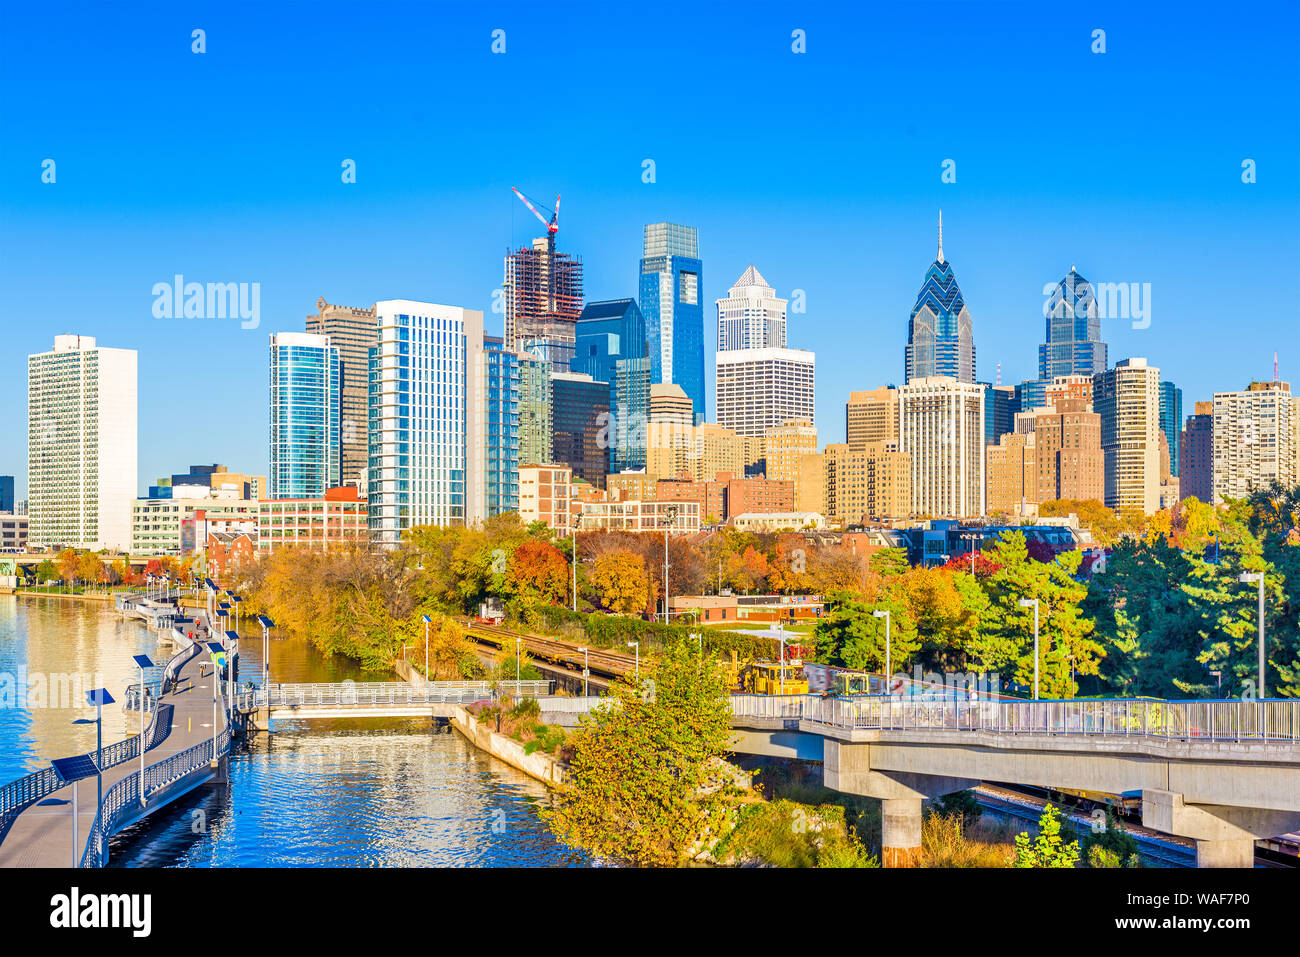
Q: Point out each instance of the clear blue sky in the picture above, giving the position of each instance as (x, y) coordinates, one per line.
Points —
(823, 169)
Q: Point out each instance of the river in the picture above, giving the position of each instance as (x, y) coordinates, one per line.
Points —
(376, 792)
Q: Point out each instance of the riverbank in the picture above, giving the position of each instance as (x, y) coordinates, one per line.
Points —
(103, 598)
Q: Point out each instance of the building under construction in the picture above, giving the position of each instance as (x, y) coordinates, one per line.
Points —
(543, 292)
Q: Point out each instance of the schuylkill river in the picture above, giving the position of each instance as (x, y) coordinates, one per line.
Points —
(382, 792)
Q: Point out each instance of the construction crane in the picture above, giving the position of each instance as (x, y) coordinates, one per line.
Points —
(552, 225)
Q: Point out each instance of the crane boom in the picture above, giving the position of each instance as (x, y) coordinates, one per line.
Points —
(553, 224)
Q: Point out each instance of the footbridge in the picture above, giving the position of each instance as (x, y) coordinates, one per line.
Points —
(377, 699)
(48, 819)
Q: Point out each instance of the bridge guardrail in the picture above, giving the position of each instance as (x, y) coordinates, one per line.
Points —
(378, 693)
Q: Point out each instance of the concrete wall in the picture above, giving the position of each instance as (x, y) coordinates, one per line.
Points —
(540, 766)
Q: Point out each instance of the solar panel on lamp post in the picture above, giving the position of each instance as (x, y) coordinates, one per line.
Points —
(884, 613)
(98, 697)
(426, 648)
(267, 624)
(585, 671)
(142, 662)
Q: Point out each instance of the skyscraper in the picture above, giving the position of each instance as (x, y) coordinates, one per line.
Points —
(760, 389)
(611, 347)
(672, 284)
(1255, 440)
(1196, 454)
(941, 426)
(1127, 398)
(427, 419)
(7, 494)
(534, 409)
(751, 316)
(1171, 421)
(501, 428)
(580, 423)
(81, 445)
(1073, 345)
(1000, 408)
(940, 333)
(352, 331)
(543, 299)
(305, 432)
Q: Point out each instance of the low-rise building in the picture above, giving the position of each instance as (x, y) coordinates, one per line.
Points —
(13, 532)
(639, 516)
(777, 521)
(227, 551)
(544, 494)
(338, 518)
(179, 526)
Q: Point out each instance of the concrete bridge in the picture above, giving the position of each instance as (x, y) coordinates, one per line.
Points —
(47, 820)
(376, 699)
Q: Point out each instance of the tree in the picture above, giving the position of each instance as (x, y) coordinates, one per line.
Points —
(647, 783)
(1112, 847)
(538, 572)
(851, 636)
(452, 654)
(68, 563)
(621, 582)
(1047, 849)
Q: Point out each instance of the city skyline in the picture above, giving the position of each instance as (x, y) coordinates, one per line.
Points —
(121, 218)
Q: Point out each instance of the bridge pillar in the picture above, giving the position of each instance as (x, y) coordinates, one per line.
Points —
(1225, 836)
(900, 832)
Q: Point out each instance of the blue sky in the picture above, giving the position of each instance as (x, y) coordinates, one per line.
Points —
(822, 168)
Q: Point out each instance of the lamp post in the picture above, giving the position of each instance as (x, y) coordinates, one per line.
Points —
(98, 697)
(518, 642)
(426, 648)
(142, 662)
(577, 520)
(780, 627)
(972, 537)
(1026, 603)
(637, 646)
(670, 519)
(1218, 691)
(267, 624)
(1246, 578)
(884, 613)
(585, 671)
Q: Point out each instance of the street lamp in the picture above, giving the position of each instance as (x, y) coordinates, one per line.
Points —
(267, 624)
(426, 647)
(884, 613)
(585, 671)
(577, 520)
(518, 641)
(1218, 692)
(142, 662)
(670, 519)
(637, 646)
(98, 697)
(780, 627)
(972, 537)
(1026, 603)
(214, 648)
(1246, 578)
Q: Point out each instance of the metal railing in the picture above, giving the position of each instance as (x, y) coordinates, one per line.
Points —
(1263, 720)
(379, 693)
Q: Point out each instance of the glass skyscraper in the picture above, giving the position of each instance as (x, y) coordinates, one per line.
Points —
(1171, 420)
(1073, 333)
(610, 346)
(672, 278)
(940, 332)
(501, 435)
(305, 409)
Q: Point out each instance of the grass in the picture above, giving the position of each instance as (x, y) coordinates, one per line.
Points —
(788, 834)
(952, 840)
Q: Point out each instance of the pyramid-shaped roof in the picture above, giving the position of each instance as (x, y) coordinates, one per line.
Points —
(752, 277)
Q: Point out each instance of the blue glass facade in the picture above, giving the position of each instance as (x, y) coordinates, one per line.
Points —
(1073, 334)
(940, 331)
(6, 493)
(501, 440)
(1171, 420)
(305, 438)
(671, 300)
(610, 346)
(1000, 408)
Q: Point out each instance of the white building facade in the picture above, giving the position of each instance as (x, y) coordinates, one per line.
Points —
(1255, 440)
(1127, 397)
(761, 389)
(752, 316)
(82, 451)
(941, 425)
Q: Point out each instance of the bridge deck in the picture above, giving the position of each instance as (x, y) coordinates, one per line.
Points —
(41, 835)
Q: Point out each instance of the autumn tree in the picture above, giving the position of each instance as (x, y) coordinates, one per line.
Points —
(537, 572)
(849, 634)
(621, 582)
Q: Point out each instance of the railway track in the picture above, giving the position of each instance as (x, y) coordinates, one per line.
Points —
(565, 654)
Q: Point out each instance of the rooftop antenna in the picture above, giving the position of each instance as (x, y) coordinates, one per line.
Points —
(1275, 379)
(940, 256)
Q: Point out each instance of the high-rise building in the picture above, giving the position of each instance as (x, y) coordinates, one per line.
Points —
(534, 409)
(751, 316)
(871, 416)
(759, 389)
(869, 484)
(940, 333)
(701, 452)
(81, 444)
(580, 425)
(1073, 345)
(501, 427)
(1254, 437)
(352, 331)
(610, 346)
(427, 419)
(305, 432)
(1196, 454)
(670, 403)
(6, 494)
(1067, 387)
(1127, 398)
(784, 446)
(1171, 421)
(543, 299)
(1012, 474)
(1071, 463)
(672, 286)
(941, 426)
(1000, 410)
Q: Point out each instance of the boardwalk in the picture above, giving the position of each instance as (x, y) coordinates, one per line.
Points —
(41, 835)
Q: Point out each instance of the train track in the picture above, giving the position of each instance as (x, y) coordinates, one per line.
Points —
(565, 654)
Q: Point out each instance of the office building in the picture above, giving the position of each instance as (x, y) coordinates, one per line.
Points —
(940, 332)
(209, 481)
(13, 532)
(610, 346)
(580, 433)
(1073, 343)
(761, 389)
(305, 409)
(1171, 421)
(1127, 398)
(1000, 408)
(670, 403)
(6, 495)
(1254, 436)
(81, 445)
(672, 287)
(751, 316)
(352, 331)
(870, 417)
(427, 419)
(942, 429)
(1196, 451)
(679, 518)
(858, 485)
(180, 526)
(535, 423)
(1071, 463)
(698, 451)
(543, 299)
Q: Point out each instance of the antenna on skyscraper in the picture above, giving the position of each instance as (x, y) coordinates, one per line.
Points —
(1275, 379)
(939, 258)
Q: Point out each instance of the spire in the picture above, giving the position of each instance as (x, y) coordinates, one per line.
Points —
(939, 258)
